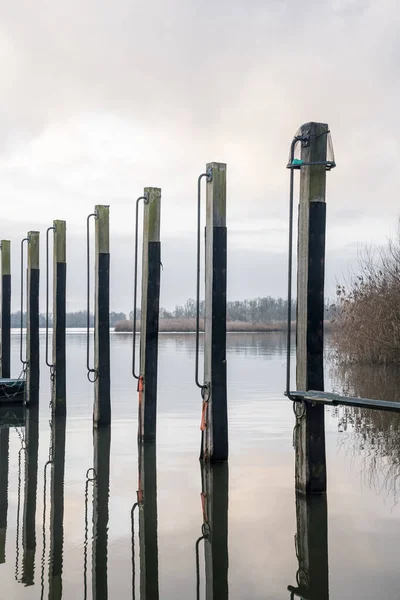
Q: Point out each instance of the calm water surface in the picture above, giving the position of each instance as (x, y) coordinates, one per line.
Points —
(256, 551)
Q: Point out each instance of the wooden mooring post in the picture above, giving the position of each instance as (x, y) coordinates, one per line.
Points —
(32, 321)
(148, 522)
(4, 467)
(5, 309)
(101, 494)
(57, 508)
(310, 427)
(151, 264)
(215, 412)
(215, 484)
(102, 404)
(312, 548)
(30, 494)
(59, 318)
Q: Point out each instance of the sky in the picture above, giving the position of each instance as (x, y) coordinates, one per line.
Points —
(100, 99)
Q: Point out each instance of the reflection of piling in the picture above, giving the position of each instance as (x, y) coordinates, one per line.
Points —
(101, 465)
(148, 535)
(151, 262)
(32, 321)
(59, 319)
(215, 433)
(312, 548)
(4, 447)
(102, 407)
(30, 493)
(310, 436)
(215, 483)
(57, 509)
(5, 309)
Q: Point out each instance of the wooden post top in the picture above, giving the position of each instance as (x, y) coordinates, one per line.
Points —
(152, 212)
(5, 257)
(216, 195)
(314, 176)
(102, 229)
(60, 250)
(33, 249)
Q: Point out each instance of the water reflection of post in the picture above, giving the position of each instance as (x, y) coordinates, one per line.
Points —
(101, 464)
(57, 509)
(4, 447)
(311, 548)
(30, 492)
(148, 536)
(215, 483)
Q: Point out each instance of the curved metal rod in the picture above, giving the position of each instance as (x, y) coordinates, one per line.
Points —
(89, 368)
(207, 175)
(145, 199)
(24, 362)
(47, 296)
(290, 267)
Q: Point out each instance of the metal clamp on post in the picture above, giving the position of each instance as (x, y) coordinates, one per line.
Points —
(48, 363)
(24, 362)
(90, 370)
(145, 199)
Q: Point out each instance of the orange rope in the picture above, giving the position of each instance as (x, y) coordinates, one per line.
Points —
(140, 384)
(203, 423)
(203, 497)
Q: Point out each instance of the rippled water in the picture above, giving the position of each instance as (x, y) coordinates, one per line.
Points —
(71, 536)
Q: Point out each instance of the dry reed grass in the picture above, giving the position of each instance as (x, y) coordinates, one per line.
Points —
(189, 325)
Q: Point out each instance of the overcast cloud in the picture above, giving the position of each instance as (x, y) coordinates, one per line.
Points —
(99, 99)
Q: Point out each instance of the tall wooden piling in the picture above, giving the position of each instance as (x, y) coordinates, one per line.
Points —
(4, 466)
(310, 430)
(312, 547)
(102, 404)
(32, 320)
(215, 484)
(59, 318)
(30, 495)
(57, 509)
(148, 522)
(151, 263)
(5, 309)
(215, 433)
(101, 493)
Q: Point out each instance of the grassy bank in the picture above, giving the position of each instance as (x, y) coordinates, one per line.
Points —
(188, 326)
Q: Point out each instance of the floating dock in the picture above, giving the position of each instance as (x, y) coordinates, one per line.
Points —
(11, 391)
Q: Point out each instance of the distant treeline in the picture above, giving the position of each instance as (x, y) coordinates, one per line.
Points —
(73, 319)
(258, 310)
